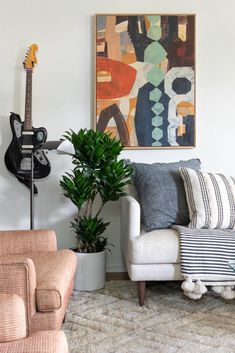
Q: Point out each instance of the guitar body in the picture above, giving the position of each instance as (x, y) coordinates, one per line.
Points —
(18, 159)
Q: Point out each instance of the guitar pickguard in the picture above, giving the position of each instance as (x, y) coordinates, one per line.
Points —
(25, 164)
(17, 128)
(26, 161)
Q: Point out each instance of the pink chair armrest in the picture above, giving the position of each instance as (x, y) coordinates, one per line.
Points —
(18, 276)
(13, 320)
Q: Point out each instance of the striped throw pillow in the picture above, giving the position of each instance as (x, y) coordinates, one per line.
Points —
(211, 199)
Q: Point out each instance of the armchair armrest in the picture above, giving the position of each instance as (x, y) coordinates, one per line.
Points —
(17, 242)
(18, 276)
(130, 217)
(13, 320)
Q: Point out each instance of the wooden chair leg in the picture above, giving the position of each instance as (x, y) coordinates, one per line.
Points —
(141, 291)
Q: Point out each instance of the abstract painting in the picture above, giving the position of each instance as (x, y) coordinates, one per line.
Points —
(145, 79)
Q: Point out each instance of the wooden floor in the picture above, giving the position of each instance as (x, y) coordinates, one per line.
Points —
(116, 276)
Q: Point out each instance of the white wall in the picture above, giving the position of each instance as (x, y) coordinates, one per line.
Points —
(62, 95)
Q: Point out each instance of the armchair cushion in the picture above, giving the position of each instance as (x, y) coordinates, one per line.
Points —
(39, 342)
(53, 270)
(12, 317)
(161, 192)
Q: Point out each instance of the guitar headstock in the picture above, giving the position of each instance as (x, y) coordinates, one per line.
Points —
(30, 58)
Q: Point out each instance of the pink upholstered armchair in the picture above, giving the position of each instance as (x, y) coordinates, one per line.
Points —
(32, 268)
(13, 330)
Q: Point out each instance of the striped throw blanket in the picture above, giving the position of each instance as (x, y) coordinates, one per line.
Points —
(205, 257)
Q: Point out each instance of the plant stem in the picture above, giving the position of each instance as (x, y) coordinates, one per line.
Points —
(100, 209)
(86, 210)
(90, 207)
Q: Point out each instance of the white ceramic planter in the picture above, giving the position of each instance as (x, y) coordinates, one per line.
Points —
(90, 273)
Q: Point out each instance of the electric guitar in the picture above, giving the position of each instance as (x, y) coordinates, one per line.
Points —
(26, 139)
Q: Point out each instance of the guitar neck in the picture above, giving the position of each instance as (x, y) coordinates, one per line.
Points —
(28, 101)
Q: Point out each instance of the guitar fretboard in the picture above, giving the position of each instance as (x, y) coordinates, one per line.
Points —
(28, 100)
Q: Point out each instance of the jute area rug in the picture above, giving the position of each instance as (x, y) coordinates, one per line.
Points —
(111, 321)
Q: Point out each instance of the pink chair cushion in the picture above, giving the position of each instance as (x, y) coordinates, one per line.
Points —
(39, 342)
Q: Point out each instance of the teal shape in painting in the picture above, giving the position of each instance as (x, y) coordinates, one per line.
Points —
(154, 32)
(155, 95)
(157, 121)
(155, 76)
(157, 108)
(157, 134)
(153, 19)
(156, 144)
(154, 53)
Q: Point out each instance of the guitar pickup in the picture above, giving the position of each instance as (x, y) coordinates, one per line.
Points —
(27, 133)
(27, 146)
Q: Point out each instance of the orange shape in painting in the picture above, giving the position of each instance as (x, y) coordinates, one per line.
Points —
(121, 82)
(185, 108)
(181, 130)
(129, 58)
(105, 103)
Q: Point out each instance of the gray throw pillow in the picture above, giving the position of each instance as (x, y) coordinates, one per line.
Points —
(161, 193)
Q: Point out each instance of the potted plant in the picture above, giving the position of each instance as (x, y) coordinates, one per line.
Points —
(97, 177)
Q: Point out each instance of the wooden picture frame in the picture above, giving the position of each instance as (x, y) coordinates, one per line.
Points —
(145, 79)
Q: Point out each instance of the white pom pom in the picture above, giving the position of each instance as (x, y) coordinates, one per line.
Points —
(200, 288)
(228, 287)
(228, 293)
(188, 285)
(218, 289)
(193, 296)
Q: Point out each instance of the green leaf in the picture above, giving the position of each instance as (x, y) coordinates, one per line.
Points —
(89, 232)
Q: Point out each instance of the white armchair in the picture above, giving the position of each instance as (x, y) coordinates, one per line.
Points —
(152, 256)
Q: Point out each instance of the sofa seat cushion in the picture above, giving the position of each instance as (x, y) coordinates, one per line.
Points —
(54, 271)
(158, 246)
